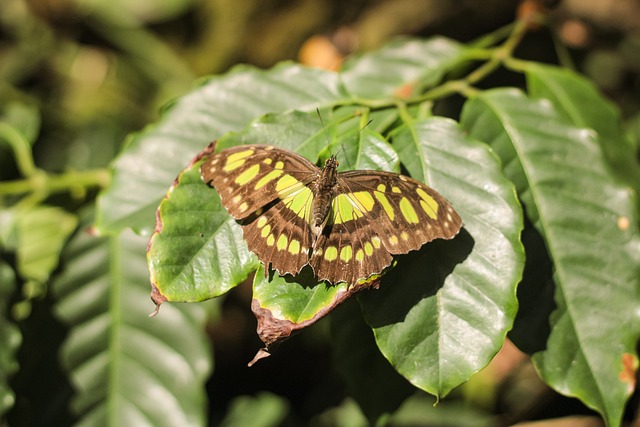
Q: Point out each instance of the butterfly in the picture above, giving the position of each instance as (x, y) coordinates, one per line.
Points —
(346, 225)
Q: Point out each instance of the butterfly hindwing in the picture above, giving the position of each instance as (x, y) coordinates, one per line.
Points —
(348, 252)
(280, 233)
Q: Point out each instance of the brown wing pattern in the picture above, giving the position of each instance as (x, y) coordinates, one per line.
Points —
(391, 214)
(434, 218)
(363, 257)
(281, 236)
(248, 177)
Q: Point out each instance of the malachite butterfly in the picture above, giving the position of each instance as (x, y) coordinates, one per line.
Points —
(346, 225)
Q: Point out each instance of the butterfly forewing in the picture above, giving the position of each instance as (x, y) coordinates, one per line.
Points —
(249, 177)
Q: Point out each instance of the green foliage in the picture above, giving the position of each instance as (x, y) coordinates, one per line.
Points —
(122, 363)
(265, 410)
(554, 164)
(197, 256)
(544, 178)
(9, 338)
(446, 309)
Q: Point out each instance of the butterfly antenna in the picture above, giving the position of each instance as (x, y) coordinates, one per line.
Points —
(324, 128)
(342, 145)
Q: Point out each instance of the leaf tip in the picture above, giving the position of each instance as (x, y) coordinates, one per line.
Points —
(157, 298)
(261, 354)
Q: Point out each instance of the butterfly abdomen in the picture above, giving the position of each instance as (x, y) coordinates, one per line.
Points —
(324, 194)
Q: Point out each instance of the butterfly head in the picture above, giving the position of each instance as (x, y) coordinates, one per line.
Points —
(331, 163)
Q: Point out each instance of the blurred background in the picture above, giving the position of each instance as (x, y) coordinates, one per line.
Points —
(89, 72)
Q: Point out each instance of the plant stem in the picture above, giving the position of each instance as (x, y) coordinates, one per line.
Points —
(21, 149)
(494, 58)
(45, 184)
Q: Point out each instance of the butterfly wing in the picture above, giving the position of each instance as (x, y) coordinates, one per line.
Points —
(267, 190)
(249, 177)
(376, 215)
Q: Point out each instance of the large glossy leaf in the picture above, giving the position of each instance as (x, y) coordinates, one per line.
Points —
(589, 225)
(402, 68)
(444, 311)
(10, 338)
(127, 368)
(579, 101)
(153, 158)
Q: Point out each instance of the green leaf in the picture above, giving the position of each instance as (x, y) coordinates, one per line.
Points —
(371, 151)
(444, 311)
(153, 158)
(296, 131)
(347, 414)
(420, 410)
(402, 68)
(364, 369)
(24, 118)
(289, 301)
(589, 225)
(41, 233)
(578, 101)
(263, 410)
(127, 368)
(198, 251)
(10, 338)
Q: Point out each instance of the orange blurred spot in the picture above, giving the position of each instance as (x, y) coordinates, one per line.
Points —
(629, 369)
(623, 223)
(319, 52)
(529, 11)
(575, 33)
(404, 91)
